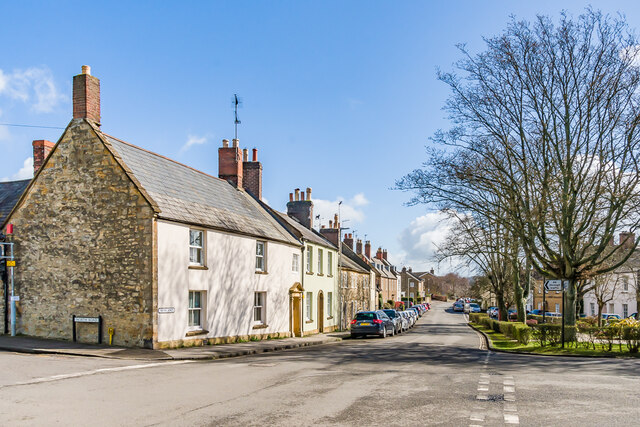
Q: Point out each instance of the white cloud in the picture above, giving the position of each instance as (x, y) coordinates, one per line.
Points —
(33, 85)
(350, 210)
(419, 243)
(26, 172)
(194, 140)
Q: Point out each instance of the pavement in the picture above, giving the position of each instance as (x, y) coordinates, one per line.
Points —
(24, 344)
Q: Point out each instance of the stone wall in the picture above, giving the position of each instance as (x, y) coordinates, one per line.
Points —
(84, 246)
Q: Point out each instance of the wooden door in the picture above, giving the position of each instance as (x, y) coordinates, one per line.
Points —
(296, 316)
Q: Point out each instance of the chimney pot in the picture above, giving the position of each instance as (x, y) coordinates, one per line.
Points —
(302, 196)
(297, 191)
(255, 155)
(330, 224)
(245, 155)
(335, 220)
(367, 249)
(308, 193)
(359, 247)
(86, 69)
(291, 197)
(303, 212)
(236, 143)
(225, 143)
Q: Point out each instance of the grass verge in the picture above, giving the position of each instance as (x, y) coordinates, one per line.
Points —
(504, 343)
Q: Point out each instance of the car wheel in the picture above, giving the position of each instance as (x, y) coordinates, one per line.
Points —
(393, 331)
(384, 332)
(354, 336)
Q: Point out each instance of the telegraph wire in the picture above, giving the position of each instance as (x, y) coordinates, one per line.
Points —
(30, 126)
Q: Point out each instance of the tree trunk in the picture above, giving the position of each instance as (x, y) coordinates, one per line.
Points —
(520, 301)
(600, 306)
(570, 311)
(502, 313)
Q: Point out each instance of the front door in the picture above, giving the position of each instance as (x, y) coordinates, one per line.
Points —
(296, 315)
(320, 312)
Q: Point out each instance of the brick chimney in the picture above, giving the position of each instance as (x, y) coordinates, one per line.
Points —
(367, 249)
(379, 254)
(384, 254)
(432, 272)
(332, 232)
(252, 175)
(359, 247)
(86, 96)
(301, 209)
(348, 240)
(627, 239)
(41, 150)
(230, 162)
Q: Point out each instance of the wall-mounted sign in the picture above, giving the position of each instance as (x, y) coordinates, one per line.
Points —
(167, 310)
(86, 319)
(11, 263)
(15, 298)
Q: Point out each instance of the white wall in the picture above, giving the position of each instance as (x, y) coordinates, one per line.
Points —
(229, 281)
(620, 297)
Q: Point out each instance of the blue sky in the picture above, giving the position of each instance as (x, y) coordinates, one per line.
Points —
(340, 96)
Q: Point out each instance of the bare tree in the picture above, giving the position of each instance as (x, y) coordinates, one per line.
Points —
(605, 288)
(546, 121)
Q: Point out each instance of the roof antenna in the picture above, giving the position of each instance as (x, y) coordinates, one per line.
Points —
(237, 102)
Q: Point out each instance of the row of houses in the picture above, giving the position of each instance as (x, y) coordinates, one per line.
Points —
(166, 255)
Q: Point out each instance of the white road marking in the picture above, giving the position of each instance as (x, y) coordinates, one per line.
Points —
(477, 418)
(483, 388)
(511, 419)
(509, 389)
(96, 371)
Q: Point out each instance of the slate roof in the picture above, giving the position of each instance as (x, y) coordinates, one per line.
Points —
(187, 195)
(10, 193)
(350, 260)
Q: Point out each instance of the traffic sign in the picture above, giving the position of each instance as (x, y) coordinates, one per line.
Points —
(553, 285)
(11, 263)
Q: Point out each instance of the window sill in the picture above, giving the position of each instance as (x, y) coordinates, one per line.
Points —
(329, 275)
(260, 326)
(320, 274)
(261, 272)
(198, 267)
(196, 332)
(309, 321)
(309, 273)
(330, 317)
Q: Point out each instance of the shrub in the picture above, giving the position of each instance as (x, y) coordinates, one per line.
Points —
(475, 317)
(631, 334)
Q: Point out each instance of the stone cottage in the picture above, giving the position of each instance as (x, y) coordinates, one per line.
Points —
(165, 254)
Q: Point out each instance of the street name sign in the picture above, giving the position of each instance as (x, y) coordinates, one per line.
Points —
(166, 310)
(553, 285)
(86, 319)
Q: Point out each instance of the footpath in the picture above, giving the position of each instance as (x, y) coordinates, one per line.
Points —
(23, 344)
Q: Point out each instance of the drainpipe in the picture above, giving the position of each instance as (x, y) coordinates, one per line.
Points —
(303, 273)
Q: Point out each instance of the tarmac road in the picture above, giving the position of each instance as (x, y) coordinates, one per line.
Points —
(436, 374)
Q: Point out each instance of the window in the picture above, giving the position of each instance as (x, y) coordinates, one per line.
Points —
(261, 256)
(593, 308)
(295, 263)
(309, 259)
(309, 312)
(196, 247)
(259, 307)
(625, 310)
(329, 264)
(320, 261)
(557, 308)
(625, 284)
(411, 294)
(539, 306)
(195, 310)
(611, 309)
(412, 284)
(330, 302)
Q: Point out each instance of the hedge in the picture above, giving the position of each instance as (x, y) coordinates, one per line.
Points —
(515, 330)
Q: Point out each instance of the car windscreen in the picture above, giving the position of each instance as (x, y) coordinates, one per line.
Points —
(390, 313)
(474, 305)
(365, 316)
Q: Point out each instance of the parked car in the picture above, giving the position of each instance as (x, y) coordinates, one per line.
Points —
(536, 312)
(412, 316)
(513, 315)
(474, 307)
(492, 311)
(395, 318)
(404, 321)
(372, 323)
(458, 306)
(609, 317)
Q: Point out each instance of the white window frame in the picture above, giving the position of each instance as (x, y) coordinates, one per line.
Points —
(625, 283)
(625, 310)
(329, 263)
(295, 263)
(592, 306)
(309, 259)
(320, 261)
(261, 258)
(260, 307)
(612, 308)
(329, 304)
(192, 308)
(308, 315)
(199, 249)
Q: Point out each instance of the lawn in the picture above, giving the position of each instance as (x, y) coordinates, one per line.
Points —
(504, 343)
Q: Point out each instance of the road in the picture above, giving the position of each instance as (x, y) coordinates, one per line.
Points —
(436, 374)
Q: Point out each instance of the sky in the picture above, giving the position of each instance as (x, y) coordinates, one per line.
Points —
(339, 96)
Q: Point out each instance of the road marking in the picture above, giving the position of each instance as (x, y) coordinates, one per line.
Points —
(511, 419)
(96, 371)
(477, 418)
(483, 388)
(509, 389)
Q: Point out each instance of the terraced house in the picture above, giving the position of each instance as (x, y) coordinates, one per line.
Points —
(166, 255)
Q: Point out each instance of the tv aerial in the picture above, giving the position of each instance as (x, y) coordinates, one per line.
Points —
(237, 103)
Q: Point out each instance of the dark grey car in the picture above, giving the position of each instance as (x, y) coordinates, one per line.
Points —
(395, 318)
(372, 323)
